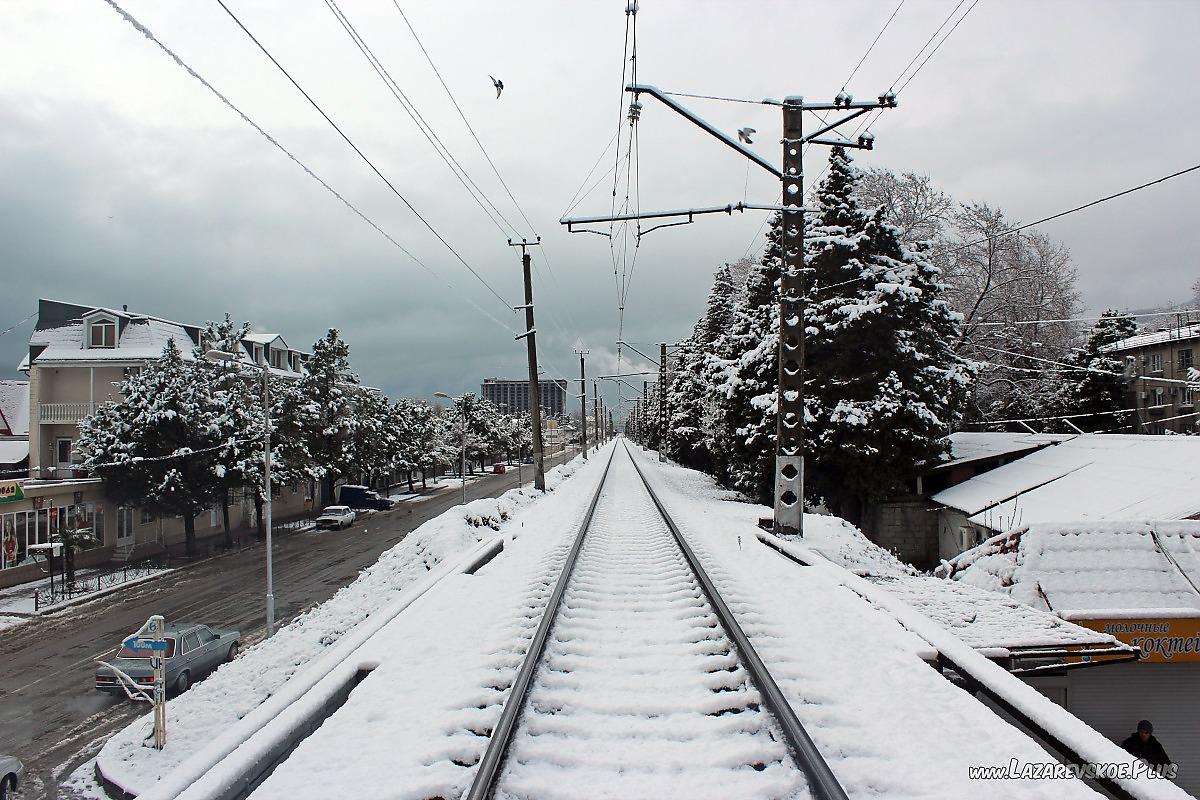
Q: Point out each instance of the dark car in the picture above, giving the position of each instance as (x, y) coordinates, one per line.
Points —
(192, 652)
(362, 497)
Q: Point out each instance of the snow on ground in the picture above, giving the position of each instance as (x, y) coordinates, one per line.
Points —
(8, 621)
(414, 726)
(230, 693)
(888, 724)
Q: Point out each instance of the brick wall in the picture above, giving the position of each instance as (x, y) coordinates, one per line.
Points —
(907, 527)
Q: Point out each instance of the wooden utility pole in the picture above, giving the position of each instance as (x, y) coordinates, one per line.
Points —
(583, 401)
(535, 389)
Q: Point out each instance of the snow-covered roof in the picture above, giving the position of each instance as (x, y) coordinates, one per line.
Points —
(142, 339)
(1157, 337)
(14, 407)
(986, 620)
(1098, 567)
(13, 451)
(1086, 477)
(966, 446)
(263, 338)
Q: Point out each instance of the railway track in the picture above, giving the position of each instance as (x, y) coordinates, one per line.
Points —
(639, 682)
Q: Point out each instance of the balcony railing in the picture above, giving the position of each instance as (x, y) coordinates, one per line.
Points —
(67, 473)
(64, 413)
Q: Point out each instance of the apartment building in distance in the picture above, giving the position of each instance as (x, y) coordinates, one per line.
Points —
(78, 356)
(512, 396)
(1167, 406)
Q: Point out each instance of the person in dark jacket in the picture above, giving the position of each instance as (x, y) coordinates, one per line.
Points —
(1143, 745)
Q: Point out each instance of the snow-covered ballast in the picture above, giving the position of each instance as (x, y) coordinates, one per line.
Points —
(1137, 581)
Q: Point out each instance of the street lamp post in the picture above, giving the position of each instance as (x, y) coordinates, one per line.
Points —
(221, 356)
(463, 467)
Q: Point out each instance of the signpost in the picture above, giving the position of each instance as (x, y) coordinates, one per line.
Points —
(11, 491)
(151, 638)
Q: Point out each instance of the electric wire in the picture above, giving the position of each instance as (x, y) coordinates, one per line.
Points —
(142, 29)
(1073, 210)
(360, 153)
(871, 47)
(18, 324)
(1075, 367)
(487, 156)
(577, 197)
(430, 135)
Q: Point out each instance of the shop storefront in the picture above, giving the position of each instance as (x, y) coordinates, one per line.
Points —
(31, 520)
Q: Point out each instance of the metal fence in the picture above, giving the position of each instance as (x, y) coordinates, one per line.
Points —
(61, 591)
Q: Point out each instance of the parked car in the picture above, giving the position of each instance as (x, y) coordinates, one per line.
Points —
(362, 497)
(498, 469)
(336, 517)
(12, 773)
(192, 652)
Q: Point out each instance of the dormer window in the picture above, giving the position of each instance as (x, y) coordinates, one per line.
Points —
(102, 333)
(258, 354)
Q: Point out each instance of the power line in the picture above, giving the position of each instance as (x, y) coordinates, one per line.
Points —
(871, 47)
(18, 324)
(360, 153)
(938, 47)
(419, 120)
(1091, 319)
(228, 103)
(1075, 367)
(466, 122)
(1073, 210)
(487, 156)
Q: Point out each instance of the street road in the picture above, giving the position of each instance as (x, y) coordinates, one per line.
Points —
(51, 716)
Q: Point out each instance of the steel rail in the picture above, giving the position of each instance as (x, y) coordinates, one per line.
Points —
(497, 750)
(822, 782)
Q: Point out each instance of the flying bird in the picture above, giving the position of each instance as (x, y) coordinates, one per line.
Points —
(499, 86)
(744, 135)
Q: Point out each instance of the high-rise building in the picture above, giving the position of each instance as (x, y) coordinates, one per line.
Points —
(513, 395)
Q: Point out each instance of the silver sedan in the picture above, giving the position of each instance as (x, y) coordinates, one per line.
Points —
(192, 652)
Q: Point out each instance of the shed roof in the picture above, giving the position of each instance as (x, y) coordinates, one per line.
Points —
(1086, 477)
(14, 407)
(1099, 568)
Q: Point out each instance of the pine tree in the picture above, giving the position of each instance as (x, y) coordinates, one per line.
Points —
(325, 412)
(1101, 389)
(236, 399)
(882, 385)
(690, 403)
(745, 381)
(156, 449)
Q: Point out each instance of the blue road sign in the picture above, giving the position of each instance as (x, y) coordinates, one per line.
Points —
(133, 643)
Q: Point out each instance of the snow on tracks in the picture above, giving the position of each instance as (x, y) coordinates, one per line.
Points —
(640, 693)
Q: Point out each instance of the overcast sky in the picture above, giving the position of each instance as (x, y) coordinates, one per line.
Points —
(124, 181)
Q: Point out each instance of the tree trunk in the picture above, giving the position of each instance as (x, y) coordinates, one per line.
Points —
(69, 564)
(259, 522)
(225, 519)
(327, 495)
(422, 479)
(189, 535)
(410, 481)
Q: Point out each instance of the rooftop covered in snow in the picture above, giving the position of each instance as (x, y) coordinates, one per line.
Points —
(969, 446)
(14, 408)
(1086, 477)
(1178, 333)
(1090, 569)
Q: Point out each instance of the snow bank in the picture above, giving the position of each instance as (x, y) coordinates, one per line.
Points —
(209, 708)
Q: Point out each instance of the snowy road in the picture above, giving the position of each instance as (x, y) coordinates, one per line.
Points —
(52, 717)
(640, 693)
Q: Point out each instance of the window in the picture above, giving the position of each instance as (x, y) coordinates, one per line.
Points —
(147, 516)
(1185, 358)
(1155, 362)
(191, 642)
(1188, 396)
(103, 333)
(277, 359)
(1158, 396)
